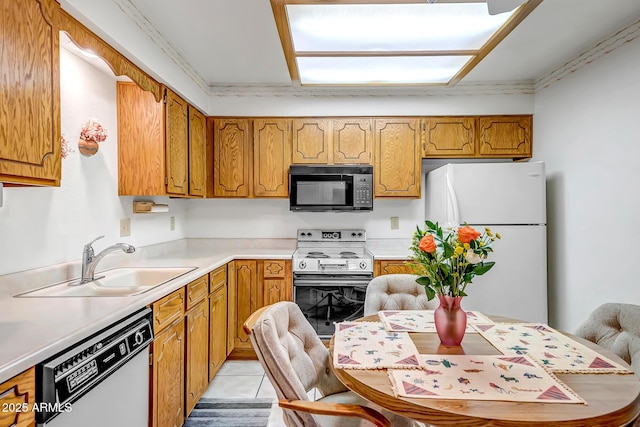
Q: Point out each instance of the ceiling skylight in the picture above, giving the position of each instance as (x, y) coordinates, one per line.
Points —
(389, 42)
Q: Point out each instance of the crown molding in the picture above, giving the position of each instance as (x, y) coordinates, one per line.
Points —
(596, 51)
(129, 8)
(487, 88)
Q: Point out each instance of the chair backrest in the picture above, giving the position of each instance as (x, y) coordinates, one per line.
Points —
(396, 292)
(615, 326)
(293, 357)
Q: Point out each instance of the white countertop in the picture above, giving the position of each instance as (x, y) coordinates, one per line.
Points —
(34, 329)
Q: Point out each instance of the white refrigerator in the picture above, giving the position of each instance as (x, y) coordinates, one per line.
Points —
(509, 198)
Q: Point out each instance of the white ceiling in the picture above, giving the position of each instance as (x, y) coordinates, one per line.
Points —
(236, 43)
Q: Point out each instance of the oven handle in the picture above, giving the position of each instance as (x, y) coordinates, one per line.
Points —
(319, 283)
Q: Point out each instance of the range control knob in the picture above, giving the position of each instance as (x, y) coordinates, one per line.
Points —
(353, 234)
(302, 265)
(363, 265)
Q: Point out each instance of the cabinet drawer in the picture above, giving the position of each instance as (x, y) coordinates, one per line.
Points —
(275, 269)
(217, 278)
(15, 392)
(168, 309)
(197, 291)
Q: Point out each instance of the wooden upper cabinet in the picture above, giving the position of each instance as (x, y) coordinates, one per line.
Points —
(352, 141)
(198, 154)
(397, 157)
(177, 137)
(311, 141)
(231, 157)
(30, 151)
(271, 157)
(450, 137)
(505, 136)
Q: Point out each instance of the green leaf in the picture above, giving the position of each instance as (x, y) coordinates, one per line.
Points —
(483, 267)
(430, 224)
(463, 294)
(448, 249)
(431, 294)
(424, 281)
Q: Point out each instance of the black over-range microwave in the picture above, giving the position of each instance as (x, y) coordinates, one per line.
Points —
(331, 188)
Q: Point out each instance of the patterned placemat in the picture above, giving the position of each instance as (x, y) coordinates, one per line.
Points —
(505, 378)
(422, 320)
(554, 350)
(366, 345)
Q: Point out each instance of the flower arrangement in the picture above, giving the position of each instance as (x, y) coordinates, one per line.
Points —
(91, 134)
(92, 130)
(448, 262)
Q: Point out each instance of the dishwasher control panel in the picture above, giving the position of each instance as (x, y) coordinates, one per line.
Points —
(72, 373)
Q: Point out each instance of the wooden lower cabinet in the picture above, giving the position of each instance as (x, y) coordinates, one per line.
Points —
(254, 284)
(197, 354)
(167, 408)
(17, 397)
(217, 328)
(396, 266)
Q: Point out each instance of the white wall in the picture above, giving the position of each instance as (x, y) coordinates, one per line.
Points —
(44, 226)
(585, 129)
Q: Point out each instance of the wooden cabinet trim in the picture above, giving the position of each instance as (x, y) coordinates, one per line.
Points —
(168, 309)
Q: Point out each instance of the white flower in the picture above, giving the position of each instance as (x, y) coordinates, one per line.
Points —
(473, 257)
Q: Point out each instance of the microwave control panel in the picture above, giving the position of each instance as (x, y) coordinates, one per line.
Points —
(362, 190)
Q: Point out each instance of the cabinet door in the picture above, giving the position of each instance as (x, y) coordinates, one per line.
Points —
(141, 145)
(352, 141)
(248, 299)
(197, 153)
(177, 137)
(392, 267)
(231, 158)
(311, 141)
(217, 330)
(450, 137)
(168, 376)
(276, 281)
(197, 355)
(505, 136)
(30, 92)
(18, 391)
(397, 159)
(272, 157)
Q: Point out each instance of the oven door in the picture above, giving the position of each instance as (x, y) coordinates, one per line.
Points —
(328, 298)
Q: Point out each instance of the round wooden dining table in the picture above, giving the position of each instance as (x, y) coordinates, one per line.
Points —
(612, 399)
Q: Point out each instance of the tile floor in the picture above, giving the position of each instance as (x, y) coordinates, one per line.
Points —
(246, 379)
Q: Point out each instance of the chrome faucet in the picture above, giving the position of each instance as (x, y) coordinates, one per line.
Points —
(90, 261)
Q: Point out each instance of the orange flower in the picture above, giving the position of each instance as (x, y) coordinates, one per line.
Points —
(467, 234)
(427, 244)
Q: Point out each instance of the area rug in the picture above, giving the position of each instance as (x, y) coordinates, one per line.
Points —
(230, 413)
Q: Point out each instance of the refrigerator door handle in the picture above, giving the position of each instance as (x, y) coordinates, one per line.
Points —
(452, 203)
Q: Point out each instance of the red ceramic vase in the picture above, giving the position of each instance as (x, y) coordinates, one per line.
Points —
(450, 320)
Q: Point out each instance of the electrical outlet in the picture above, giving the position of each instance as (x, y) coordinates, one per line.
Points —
(395, 223)
(172, 223)
(125, 227)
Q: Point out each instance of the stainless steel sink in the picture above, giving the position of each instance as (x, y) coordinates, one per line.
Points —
(117, 282)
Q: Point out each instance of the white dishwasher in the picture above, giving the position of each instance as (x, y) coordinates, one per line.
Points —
(101, 382)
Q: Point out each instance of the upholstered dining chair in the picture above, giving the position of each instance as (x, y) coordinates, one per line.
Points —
(396, 292)
(615, 326)
(296, 361)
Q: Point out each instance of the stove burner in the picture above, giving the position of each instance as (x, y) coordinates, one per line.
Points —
(316, 254)
(344, 253)
(349, 256)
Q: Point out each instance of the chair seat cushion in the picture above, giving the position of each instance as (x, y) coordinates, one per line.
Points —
(351, 398)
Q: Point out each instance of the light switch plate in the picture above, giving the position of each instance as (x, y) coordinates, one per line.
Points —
(125, 227)
(1, 191)
(172, 223)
